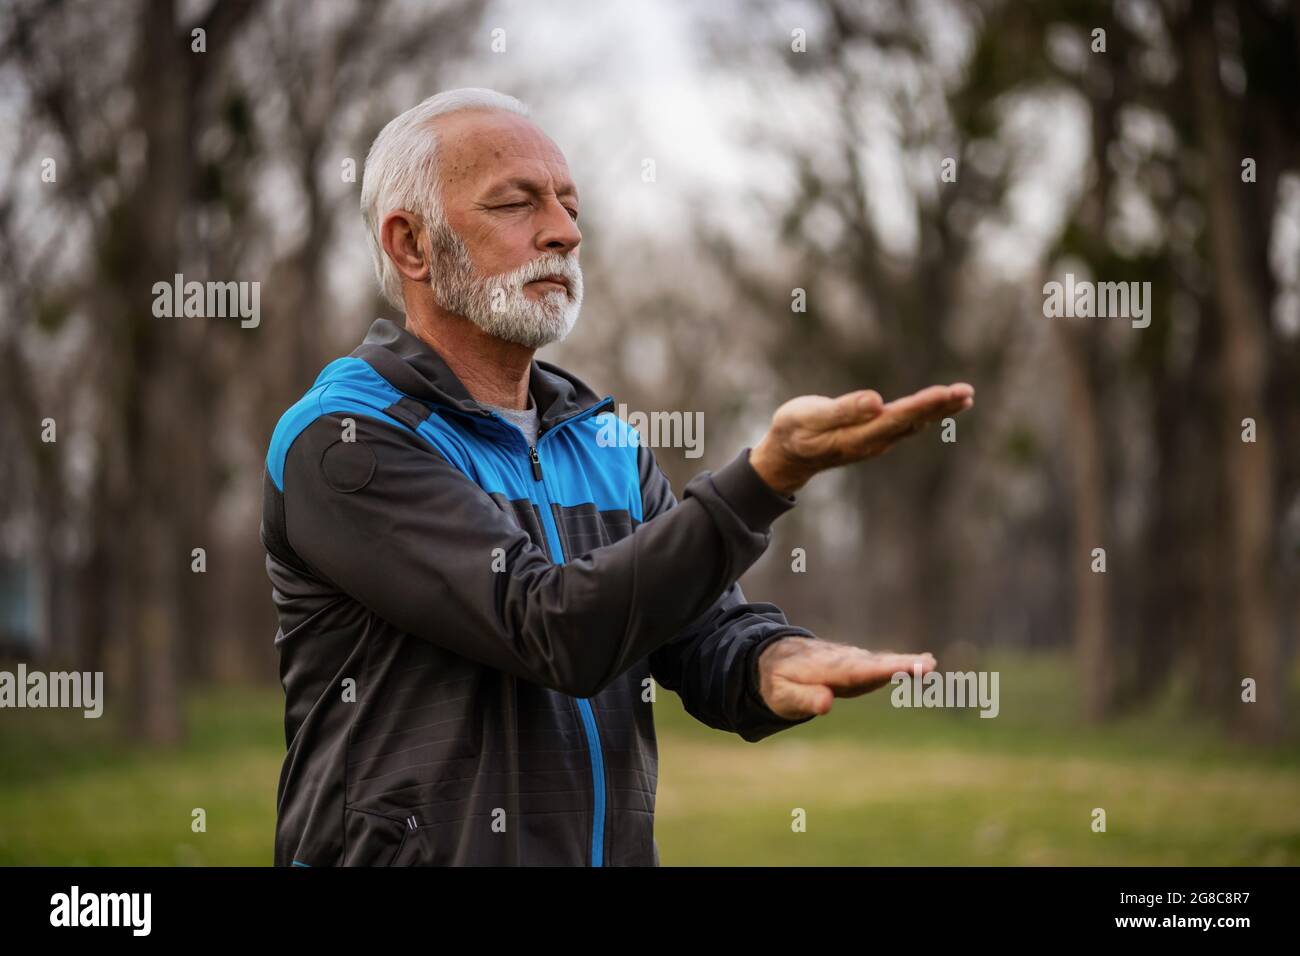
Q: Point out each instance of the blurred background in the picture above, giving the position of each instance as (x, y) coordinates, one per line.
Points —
(765, 214)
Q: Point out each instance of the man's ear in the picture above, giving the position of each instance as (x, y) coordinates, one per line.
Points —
(400, 235)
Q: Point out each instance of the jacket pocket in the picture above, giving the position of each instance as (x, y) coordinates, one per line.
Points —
(374, 839)
(408, 851)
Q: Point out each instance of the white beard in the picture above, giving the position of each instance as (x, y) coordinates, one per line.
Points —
(497, 304)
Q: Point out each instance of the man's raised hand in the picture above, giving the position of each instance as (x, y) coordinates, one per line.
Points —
(800, 676)
(813, 433)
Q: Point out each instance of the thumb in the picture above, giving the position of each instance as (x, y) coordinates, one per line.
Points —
(853, 408)
(804, 700)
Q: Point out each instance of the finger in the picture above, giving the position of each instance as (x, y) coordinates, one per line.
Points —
(889, 427)
(952, 397)
(959, 403)
(849, 409)
(818, 658)
(844, 667)
(931, 415)
(905, 417)
(887, 665)
(912, 663)
(866, 680)
(927, 412)
(925, 406)
(925, 398)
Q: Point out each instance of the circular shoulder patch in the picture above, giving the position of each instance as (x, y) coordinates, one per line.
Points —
(348, 465)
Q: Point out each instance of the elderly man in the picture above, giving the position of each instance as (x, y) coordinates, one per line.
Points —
(475, 586)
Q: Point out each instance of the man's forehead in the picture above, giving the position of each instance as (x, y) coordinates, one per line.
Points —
(480, 149)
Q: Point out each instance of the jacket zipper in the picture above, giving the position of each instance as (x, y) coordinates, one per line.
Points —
(590, 730)
(589, 727)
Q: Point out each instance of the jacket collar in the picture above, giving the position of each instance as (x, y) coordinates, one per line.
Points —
(412, 367)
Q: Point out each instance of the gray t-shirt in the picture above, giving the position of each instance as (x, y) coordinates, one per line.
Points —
(524, 419)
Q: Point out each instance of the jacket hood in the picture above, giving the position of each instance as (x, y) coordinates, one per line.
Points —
(412, 367)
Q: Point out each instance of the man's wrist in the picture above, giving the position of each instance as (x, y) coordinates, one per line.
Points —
(756, 672)
(760, 719)
(774, 470)
(752, 499)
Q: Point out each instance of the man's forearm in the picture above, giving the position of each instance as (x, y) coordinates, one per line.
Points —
(712, 666)
(397, 542)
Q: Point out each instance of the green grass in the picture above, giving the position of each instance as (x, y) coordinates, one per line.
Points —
(877, 786)
(73, 794)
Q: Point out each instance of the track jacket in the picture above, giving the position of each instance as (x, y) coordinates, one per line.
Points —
(469, 625)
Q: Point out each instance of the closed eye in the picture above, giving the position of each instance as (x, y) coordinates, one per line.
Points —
(573, 213)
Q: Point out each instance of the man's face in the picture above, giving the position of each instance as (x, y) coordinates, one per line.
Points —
(508, 259)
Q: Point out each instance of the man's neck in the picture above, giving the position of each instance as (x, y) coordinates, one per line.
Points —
(494, 371)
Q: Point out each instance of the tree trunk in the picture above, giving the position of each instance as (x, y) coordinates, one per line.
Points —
(1088, 473)
(1247, 467)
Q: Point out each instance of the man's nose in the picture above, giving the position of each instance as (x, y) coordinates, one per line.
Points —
(559, 232)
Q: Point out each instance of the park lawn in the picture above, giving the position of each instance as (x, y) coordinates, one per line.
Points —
(878, 804)
(73, 794)
(876, 785)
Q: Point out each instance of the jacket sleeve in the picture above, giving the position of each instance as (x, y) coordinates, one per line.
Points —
(385, 519)
(712, 664)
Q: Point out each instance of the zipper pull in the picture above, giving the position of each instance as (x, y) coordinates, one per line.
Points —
(537, 462)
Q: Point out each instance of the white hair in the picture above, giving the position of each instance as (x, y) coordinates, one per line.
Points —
(401, 172)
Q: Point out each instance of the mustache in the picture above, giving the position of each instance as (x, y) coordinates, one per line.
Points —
(547, 264)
